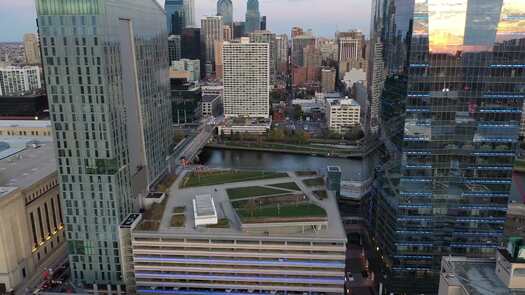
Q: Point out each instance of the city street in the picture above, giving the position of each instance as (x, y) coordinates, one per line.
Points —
(360, 282)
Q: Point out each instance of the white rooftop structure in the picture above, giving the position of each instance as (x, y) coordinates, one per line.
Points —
(25, 123)
(204, 210)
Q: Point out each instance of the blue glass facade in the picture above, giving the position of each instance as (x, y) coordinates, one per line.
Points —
(175, 16)
(253, 17)
(450, 116)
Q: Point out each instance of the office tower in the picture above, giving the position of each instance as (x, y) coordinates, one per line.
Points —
(268, 38)
(30, 207)
(189, 13)
(312, 62)
(32, 49)
(191, 43)
(109, 102)
(212, 31)
(175, 16)
(297, 31)
(329, 50)
(350, 45)
(376, 79)
(450, 116)
(281, 44)
(246, 79)
(238, 30)
(174, 48)
(228, 33)
(225, 9)
(219, 66)
(15, 80)
(263, 23)
(328, 80)
(253, 17)
(299, 43)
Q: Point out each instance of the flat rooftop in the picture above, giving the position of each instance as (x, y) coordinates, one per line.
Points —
(210, 98)
(27, 166)
(304, 207)
(477, 276)
(25, 123)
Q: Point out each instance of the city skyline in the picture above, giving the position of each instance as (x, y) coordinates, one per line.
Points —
(21, 16)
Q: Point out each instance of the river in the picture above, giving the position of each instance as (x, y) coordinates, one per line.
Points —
(352, 169)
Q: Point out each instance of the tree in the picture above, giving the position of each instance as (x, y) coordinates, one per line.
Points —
(277, 134)
(354, 134)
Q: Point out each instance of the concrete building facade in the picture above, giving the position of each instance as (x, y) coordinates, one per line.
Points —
(246, 79)
(32, 49)
(212, 32)
(342, 114)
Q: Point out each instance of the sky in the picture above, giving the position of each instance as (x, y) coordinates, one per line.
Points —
(323, 17)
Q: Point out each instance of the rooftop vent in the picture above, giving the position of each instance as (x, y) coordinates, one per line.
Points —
(204, 210)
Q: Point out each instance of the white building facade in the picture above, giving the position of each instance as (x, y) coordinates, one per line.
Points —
(16, 80)
(342, 114)
(246, 79)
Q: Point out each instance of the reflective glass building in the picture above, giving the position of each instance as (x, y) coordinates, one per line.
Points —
(106, 66)
(225, 9)
(175, 16)
(253, 17)
(451, 101)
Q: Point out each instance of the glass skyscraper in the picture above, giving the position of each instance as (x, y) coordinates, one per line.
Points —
(106, 65)
(175, 16)
(253, 17)
(451, 105)
(225, 9)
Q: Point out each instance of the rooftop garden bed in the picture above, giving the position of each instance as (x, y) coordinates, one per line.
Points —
(178, 220)
(252, 191)
(152, 216)
(281, 213)
(319, 181)
(287, 185)
(179, 210)
(223, 223)
(207, 178)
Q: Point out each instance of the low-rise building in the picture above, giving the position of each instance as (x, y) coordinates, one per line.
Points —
(25, 128)
(211, 105)
(209, 240)
(483, 276)
(233, 126)
(19, 80)
(186, 68)
(342, 114)
(31, 224)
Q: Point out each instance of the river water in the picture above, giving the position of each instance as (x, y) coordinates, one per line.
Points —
(352, 169)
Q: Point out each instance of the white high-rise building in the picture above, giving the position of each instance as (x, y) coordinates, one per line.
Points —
(189, 13)
(342, 114)
(246, 79)
(16, 80)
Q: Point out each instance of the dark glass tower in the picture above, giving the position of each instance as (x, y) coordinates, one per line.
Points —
(450, 115)
(225, 9)
(253, 17)
(175, 16)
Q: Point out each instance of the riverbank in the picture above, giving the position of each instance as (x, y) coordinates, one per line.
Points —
(291, 149)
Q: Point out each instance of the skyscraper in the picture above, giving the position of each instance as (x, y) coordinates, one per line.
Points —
(174, 48)
(450, 116)
(32, 49)
(253, 17)
(189, 12)
(191, 43)
(296, 31)
(107, 84)
(281, 43)
(299, 43)
(268, 38)
(175, 16)
(246, 79)
(212, 31)
(225, 9)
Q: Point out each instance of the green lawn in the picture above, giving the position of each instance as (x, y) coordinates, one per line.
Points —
(252, 191)
(303, 210)
(193, 179)
(286, 185)
(319, 181)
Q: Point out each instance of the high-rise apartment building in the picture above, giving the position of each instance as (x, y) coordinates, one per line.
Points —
(451, 108)
(32, 49)
(246, 79)
(328, 80)
(253, 17)
(225, 9)
(107, 81)
(268, 38)
(299, 43)
(228, 33)
(174, 48)
(350, 45)
(281, 44)
(212, 31)
(15, 80)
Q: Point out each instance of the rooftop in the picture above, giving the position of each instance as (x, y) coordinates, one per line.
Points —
(209, 98)
(25, 123)
(27, 166)
(252, 205)
(476, 276)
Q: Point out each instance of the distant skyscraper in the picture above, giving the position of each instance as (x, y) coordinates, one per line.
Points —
(174, 48)
(238, 30)
(191, 43)
(296, 31)
(450, 116)
(32, 49)
(268, 38)
(189, 12)
(281, 43)
(328, 80)
(225, 9)
(212, 31)
(253, 17)
(263, 23)
(228, 33)
(175, 16)
(299, 43)
(246, 79)
(107, 85)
